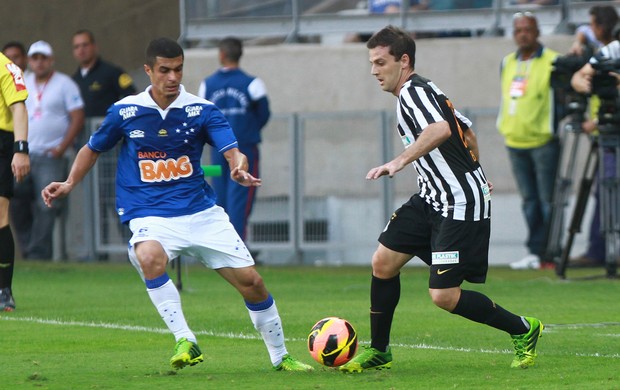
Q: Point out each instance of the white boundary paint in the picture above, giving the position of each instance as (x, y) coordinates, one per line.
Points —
(549, 328)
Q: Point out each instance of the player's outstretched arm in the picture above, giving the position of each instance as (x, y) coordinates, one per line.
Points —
(84, 161)
(238, 164)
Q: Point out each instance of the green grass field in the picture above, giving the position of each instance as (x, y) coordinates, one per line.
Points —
(92, 326)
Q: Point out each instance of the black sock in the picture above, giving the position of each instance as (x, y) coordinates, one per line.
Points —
(384, 296)
(478, 307)
(7, 256)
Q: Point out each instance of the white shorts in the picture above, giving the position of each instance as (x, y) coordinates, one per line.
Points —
(207, 235)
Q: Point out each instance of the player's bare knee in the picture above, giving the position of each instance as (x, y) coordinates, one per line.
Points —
(380, 266)
(255, 291)
(383, 267)
(256, 284)
(442, 299)
(247, 280)
(4, 211)
(152, 260)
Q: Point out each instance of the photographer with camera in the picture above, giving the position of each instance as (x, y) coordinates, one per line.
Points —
(603, 20)
(597, 33)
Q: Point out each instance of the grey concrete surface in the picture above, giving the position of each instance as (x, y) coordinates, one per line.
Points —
(508, 230)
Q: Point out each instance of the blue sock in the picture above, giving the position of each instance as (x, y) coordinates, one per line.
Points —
(157, 282)
(260, 306)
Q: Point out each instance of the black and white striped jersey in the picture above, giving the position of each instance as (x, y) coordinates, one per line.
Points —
(450, 178)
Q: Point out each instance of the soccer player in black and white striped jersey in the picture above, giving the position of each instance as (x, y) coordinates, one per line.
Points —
(447, 223)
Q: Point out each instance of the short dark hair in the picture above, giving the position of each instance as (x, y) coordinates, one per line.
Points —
(606, 17)
(18, 45)
(90, 34)
(162, 47)
(399, 42)
(232, 48)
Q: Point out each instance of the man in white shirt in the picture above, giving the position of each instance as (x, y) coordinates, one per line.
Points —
(56, 116)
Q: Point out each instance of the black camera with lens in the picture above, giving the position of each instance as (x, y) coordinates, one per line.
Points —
(603, 84)
(573, 103)
(564, 67)
(605, 87)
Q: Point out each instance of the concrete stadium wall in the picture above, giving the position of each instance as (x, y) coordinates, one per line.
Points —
(123, 28)
(321, 78)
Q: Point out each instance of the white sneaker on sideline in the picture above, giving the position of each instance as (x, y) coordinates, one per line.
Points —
(528, 262)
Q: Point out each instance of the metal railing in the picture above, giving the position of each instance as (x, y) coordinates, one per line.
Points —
(204, 21)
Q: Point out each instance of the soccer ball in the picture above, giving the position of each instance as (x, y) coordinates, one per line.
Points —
(332, 341)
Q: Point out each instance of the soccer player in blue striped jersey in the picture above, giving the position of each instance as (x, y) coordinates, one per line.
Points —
(162, 194)
(447, 223)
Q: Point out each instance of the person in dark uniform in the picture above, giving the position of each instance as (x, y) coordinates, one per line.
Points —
(447, 223)
(101, 85)
(243, 100)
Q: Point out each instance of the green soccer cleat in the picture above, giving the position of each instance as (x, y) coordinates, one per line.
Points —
(371, 358)
(525, 344)
(289, 363)
(185, 353)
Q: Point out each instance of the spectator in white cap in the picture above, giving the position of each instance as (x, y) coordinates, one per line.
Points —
(40, 47)
(56, 116)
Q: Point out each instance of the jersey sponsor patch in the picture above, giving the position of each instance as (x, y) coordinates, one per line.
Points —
(451, 257)
(486, 192)
(18, 76)
(406, 140)
(153, 171)
(193, 111)
(152, 155)
(128, 112)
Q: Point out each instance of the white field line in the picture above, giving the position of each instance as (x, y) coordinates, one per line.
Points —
(241, 336)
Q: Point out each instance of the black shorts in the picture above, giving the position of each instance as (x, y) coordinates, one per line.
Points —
(455, 250)
(6, 158)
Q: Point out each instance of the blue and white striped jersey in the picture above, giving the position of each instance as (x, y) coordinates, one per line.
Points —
(158, 170)
(450, 178)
